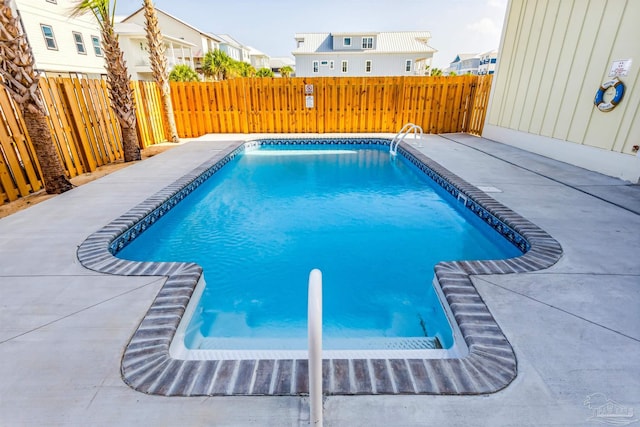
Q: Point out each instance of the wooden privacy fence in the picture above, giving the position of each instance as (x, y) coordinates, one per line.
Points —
(86, 132)
(331, 104)
(83, 126)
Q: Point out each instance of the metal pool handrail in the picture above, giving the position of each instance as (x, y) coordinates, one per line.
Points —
(400, 136)
(314, 320)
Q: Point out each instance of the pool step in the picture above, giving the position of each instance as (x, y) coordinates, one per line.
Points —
(369, 343)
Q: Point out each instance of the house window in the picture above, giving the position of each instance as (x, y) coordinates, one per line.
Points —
(367, 66)
(316, 66)
(346, 41)
(407, 66)
(49, 38)
(324, 63)
(300, 44)
(96, 45)
(367, 42)
(345, 66)
(77, 38)
(331, 65)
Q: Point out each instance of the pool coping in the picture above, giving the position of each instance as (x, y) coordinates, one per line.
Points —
(489, 366)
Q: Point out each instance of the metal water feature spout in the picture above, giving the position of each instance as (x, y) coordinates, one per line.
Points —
(314, 319)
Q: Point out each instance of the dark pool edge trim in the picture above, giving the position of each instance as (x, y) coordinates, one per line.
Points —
(147, 366)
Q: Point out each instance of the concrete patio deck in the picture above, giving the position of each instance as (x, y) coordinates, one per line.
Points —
(575, 327)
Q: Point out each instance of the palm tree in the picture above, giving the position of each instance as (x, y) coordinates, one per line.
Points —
(159, 66)
(264, 72)
(286, 71)
(118, 81)
(244, 69)
(183, 73)
(21, 81)
(217, 64)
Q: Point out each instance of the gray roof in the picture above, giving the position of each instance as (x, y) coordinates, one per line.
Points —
(403, 41)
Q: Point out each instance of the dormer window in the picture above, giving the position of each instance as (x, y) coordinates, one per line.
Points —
(300, 43)
(346, 41)
(367, 42)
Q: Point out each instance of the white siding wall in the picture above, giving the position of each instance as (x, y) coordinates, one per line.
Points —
(382, 65)
(66, 58)
(554, 56)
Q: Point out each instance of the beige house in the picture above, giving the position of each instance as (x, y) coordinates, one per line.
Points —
(133, 43)
(554, 56)
(202, 42)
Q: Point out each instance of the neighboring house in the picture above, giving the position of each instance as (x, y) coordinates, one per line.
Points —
(62, 46)
(233, 48)
(134, 46)
(464, 63)
(362, 54)
(277, 63)
(487, 63)
(257, 58)
(178, 29)
(551, 68)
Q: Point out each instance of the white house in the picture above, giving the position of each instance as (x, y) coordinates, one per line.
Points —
(134, 46)
(258, 59)
(62, 45)
(277, 63)
(362, 54)
(554, 58)
(233, 48)
(203, 42)
(464, 63)
(488, 62)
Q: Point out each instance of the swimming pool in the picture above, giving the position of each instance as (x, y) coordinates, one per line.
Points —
(486, 365)
(374, 224)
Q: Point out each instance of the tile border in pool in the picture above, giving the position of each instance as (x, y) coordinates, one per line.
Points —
(489, 366)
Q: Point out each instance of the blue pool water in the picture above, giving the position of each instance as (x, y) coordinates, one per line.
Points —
(373, 224)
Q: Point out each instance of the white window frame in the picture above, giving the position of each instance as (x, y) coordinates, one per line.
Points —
(97, 47)
(367, 42)
(324, 63)
(346, 41)
(315, 67)
(331, 65)
(345, 66)
(368, 66)
(47, 38)
(408, 66)
(79, 42)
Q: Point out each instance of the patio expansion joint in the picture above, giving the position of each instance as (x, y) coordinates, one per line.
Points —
(490, 365)
(69, 315)
(567, 312)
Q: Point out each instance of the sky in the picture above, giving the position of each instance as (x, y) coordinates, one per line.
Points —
(456, 26)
